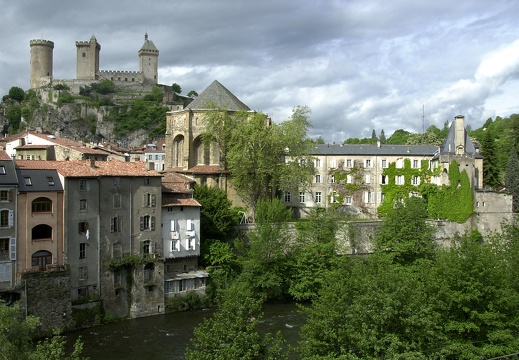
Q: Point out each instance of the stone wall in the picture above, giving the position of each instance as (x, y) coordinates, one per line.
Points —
(47, 296)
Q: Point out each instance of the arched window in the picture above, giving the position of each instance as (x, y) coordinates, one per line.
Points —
(178, 145)
(42, 205)
(41, 259)
(42, 232)
(149, 269)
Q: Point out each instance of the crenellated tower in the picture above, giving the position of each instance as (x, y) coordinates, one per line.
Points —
(87, 63)
(149, 61)
(41, 62)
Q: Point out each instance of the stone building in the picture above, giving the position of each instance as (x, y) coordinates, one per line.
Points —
(186, 153)
(88, 65)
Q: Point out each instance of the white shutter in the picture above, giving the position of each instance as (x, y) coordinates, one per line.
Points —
(172, 225)
(12, 249)
(193, 243)
(189, 225)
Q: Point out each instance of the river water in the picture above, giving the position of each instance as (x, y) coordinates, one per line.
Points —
(168, 336)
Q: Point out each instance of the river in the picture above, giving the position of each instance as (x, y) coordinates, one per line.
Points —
(167, 336)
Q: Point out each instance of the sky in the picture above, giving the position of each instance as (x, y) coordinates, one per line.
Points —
(359, 65)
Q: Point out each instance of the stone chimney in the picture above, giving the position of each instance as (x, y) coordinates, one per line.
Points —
(91, 163)
(459, 134)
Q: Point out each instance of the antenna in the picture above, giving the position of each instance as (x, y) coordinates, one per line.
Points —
(423, 122)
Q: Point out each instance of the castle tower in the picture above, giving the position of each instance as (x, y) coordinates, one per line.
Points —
(87, 63)
(41, 62)
(149, 61)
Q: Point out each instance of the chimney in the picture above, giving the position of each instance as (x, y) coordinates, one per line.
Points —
(91, 163)
(459, 134)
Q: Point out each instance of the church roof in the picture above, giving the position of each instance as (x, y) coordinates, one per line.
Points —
(216, 94)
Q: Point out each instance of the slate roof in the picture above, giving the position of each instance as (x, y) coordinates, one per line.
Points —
(40, 180)
(374, 150)
(148, 45)
(9, 176)
(449, 144)
(218, 95)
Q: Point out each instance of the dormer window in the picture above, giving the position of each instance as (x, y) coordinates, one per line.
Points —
(27, 181)
(2, 170)
(50, 180)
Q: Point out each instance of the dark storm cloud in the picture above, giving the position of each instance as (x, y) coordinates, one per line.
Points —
(359, 65)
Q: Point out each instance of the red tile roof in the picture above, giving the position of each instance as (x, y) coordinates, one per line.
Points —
(177, 183)
(180, 202)
(88, 168)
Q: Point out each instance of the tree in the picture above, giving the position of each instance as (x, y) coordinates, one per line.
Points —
(231, 332)
(512, 178)
(320, 140)
(16, 338)
(176, 88)
(399, 137)
(383, 139)
(192, 94)
(490, 166)
(16, 93)
(104, 87)
(405, 234)
(265, 255)
(263, 157)
(374, 137)
(14, 116)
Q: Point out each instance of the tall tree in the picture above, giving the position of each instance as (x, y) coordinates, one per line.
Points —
(490, 166)
(374, 137)
(405, 234)
(383, 139)
(262, 156)
(512, 178)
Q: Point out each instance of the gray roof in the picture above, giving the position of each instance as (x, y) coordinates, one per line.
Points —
(40, 180)
(9, 176)
(368, 149)
(449, 145)
(148, 44)
(216, 94)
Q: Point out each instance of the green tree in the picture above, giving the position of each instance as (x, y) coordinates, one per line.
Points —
(176, 88)
(231, 332)
(266, 254)
(314, 253)
(320, 140)
(14, 116)
(512, 178)
(16, 93)
(399, 137)
(405, 234)
(261, 155)
(490, 166)
(374, 137)
(192, 94)
(383, 139)
(104, 87)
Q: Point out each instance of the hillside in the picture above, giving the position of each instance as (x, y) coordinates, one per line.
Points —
(101, 111)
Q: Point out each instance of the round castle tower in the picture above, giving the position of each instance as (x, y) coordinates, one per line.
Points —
(41, 62)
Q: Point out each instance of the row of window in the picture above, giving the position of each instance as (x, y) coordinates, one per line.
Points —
(369, 197)
(176, 286)
(399, 179)
(349, 163)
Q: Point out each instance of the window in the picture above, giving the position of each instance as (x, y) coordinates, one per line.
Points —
(117, 199)
(82, 205)
(399, 179)
(318, 197)
(27, 181)
(317, 179)
(149, 200)
(348, 163)
(333, 163)
(41, 232)
(5, 195)
(348, 200)
(41, 205)
(301, 197)
(150, 157)
(348, 179)
(82, 227)
(317, 163)
(368, 179)
(384, 179)
(4, 218)
(287, 197)
(416, 164)
(41, 259)
(333, 198)
(149, 269)
(146, 247)
(369, 197)
(415, 180)
(175, 245)
(399, 163)
(117, 181)
(50, 180)
(383, 163)
(83, 273)
(2, 170)
(115, 224)
(147, 222)
(367, 163)
(332, 178)
(82, 185)
(82, 250)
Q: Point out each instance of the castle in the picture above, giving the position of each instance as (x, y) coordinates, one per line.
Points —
(87, 65)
